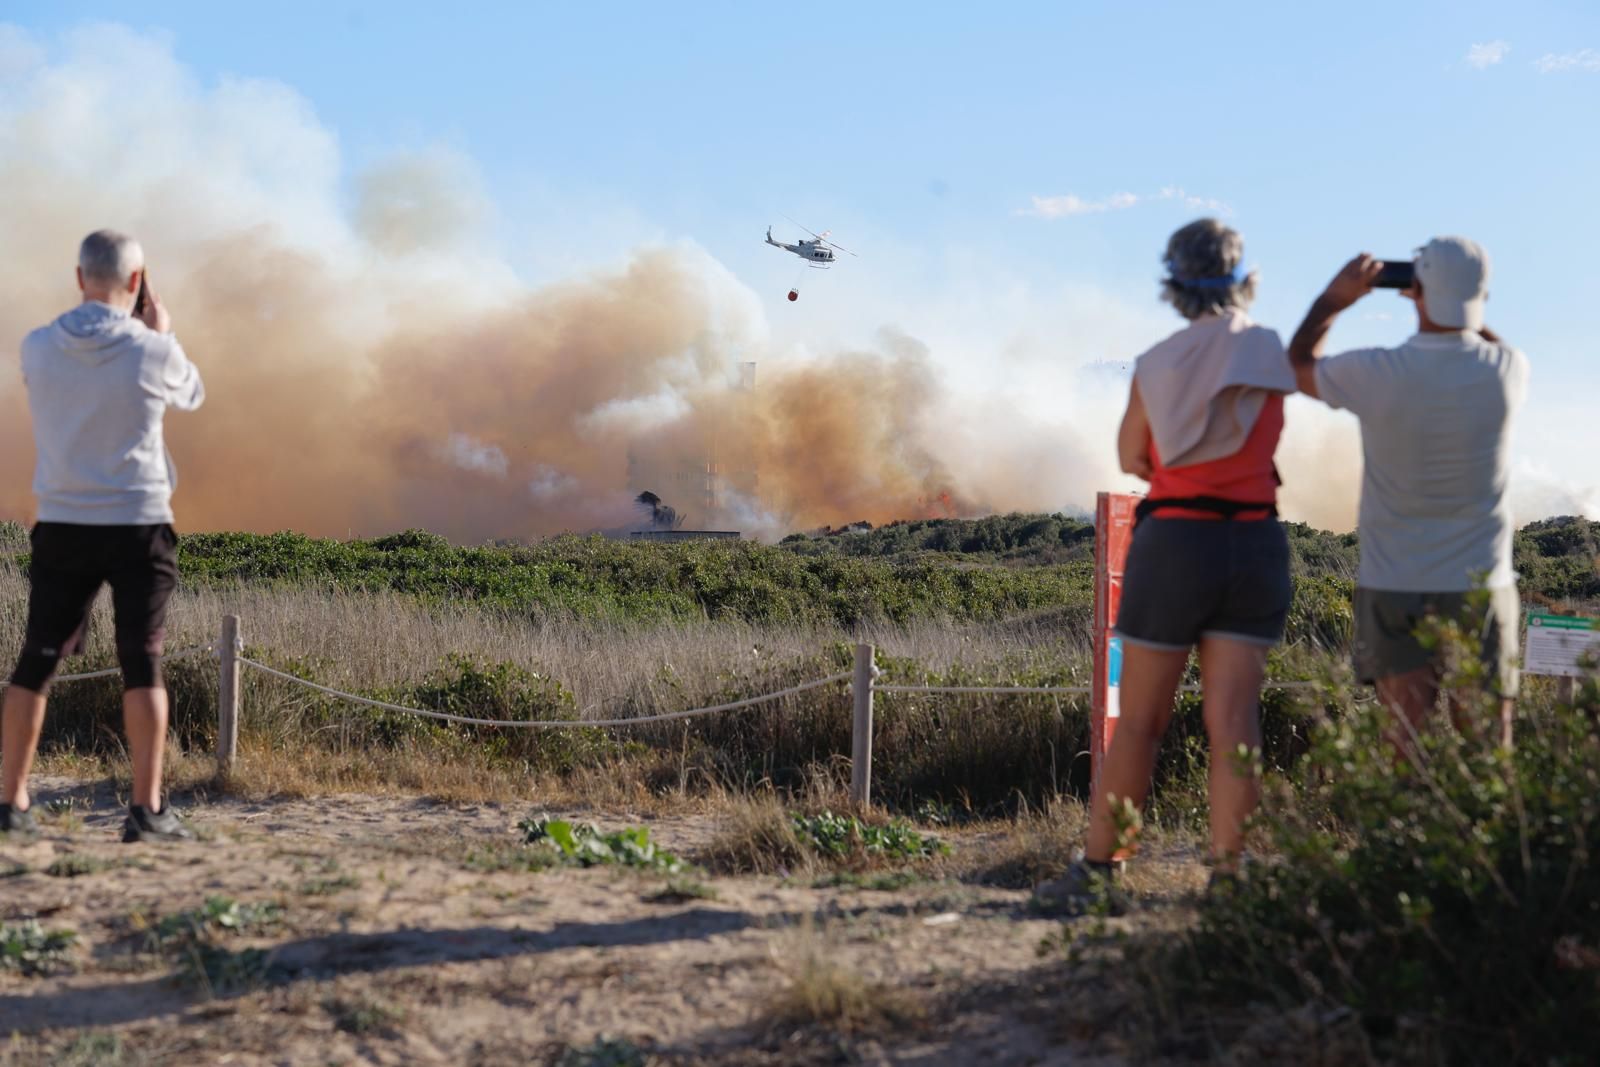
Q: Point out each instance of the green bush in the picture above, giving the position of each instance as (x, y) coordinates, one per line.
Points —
(590, 577)
(1453, 903)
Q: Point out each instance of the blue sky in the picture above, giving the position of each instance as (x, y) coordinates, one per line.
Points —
(927, 135)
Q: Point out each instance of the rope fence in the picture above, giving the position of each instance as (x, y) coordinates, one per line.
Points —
(534, 724)
(1072, 690)
(862, 682)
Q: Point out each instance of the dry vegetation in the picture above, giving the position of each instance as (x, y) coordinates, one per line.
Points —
(365, 894)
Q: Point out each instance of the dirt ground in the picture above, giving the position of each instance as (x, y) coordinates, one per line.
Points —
(396, 940)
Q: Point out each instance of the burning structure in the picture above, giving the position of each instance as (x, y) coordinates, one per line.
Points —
(708, 485)
(665, 524)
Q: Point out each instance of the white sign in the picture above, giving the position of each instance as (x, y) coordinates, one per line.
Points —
(1560, 645)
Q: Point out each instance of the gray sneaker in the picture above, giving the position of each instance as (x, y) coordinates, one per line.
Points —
(1083, 890)
(145, 825)
(13, 821)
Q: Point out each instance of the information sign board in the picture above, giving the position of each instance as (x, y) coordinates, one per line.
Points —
(1560, 645)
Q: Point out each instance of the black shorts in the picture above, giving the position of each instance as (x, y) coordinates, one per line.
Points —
(70, 563)
(1191, 578)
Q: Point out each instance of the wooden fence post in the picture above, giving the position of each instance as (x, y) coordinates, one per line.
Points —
(861, 729)
(228, 694)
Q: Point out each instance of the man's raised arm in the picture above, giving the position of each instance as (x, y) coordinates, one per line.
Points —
(1352, 283)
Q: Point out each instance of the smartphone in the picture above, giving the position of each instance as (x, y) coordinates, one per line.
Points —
(139, 301)
(1396, 274)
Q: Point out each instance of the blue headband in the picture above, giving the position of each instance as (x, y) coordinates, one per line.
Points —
(1238, 277)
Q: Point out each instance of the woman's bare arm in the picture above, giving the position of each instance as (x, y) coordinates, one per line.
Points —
(1133, 438)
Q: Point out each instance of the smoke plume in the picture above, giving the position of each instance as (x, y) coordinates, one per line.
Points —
(372, 364)
(370, 368)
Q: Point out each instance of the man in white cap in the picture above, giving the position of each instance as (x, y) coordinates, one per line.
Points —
(1435, 522)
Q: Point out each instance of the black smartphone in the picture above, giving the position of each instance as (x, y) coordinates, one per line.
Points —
(1396, 274)
(138, 301)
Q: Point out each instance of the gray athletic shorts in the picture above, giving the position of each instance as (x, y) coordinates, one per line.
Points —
(1191, 578)
(1386, 632)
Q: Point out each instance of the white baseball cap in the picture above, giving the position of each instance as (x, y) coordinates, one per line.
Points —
(1454, 273)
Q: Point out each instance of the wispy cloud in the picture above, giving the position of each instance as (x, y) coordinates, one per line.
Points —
(1069, 204)
(1057, 207)
(1584, 59)
(1483, 56)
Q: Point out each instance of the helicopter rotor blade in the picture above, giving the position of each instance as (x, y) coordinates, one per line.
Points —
(842, 248)
(814, 233)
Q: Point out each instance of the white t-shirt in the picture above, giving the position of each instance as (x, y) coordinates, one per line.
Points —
(1435, 417)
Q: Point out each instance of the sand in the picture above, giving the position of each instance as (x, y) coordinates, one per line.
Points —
(395, 945)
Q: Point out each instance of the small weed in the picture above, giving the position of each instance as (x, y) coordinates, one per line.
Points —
(840, 836)
(493, 858)
(191, 939)
(606, 1052)
(33, 950)
(92, 1050)
(14, 870)
(78, 864)
(327, 887)
(585, 845)
(205, 965)
(824, 991)
(681, 891)
(217, 915)
(365, 1015)
(66, 813)
(882, 882)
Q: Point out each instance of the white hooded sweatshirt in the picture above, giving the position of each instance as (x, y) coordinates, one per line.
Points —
(99, 382)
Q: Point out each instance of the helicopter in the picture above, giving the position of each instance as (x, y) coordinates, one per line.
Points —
(817, 252)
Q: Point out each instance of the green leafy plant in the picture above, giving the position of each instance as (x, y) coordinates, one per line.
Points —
(219, 915)
(839, 836)
(194, 940)
(31, 949)
(585, 845)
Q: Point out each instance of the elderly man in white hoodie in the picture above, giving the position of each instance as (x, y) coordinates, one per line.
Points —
(100, 379)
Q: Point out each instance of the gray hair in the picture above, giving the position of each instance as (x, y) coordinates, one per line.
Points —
(109, 257)
(1206, 249)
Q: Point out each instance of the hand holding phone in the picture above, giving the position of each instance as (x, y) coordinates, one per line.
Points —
(1396, 274)
(149, 309)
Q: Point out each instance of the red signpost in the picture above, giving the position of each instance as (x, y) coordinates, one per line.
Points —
(1113, 532)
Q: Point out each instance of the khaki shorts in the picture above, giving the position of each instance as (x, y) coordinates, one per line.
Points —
(1386, 632)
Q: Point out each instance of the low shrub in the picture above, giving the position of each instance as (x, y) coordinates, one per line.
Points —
(1452, 901)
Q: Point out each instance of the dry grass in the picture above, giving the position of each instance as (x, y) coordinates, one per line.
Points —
(376, 640)
(757, 837)
(1038, 845)
(296, 743)
(823, 989)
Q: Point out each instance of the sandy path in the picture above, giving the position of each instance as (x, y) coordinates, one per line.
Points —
(395, 946)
